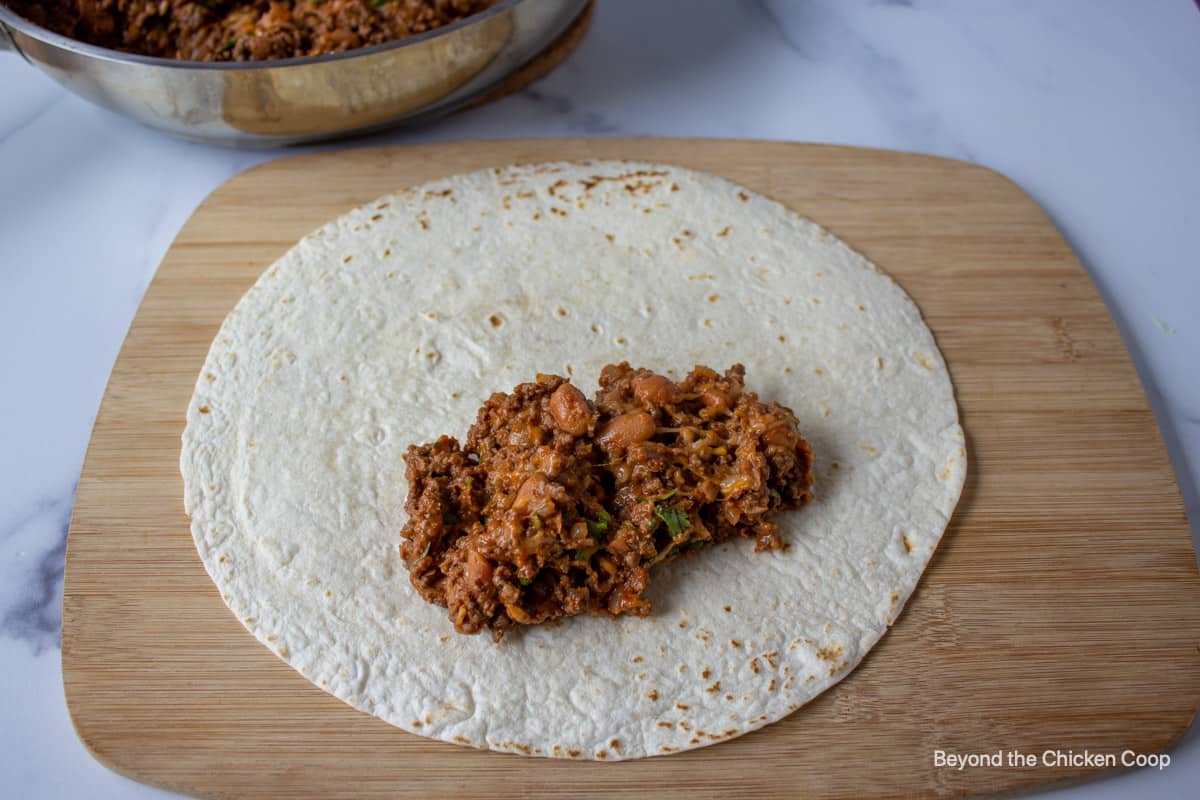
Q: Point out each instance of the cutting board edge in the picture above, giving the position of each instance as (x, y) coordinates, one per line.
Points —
(115, 764)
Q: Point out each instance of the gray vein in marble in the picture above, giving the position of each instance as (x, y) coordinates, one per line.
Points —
(40, 112)
(886, 78)
(585, 122)
(34, 614)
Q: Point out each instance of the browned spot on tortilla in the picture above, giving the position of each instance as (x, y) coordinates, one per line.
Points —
(818, 371)
(271, 638)
(560, 212)
(728, 697)
(665, 749)
(712, 298)
(735, 643)
(329, 594)
(728, 609)
(810, 679)
(221, 560)
(455, 395)
(496, 320)
(283, 653)
(662, 724)
(716, 687)
(562, 312)
(204, 409)
(895, 599)
(621, 340)
(771, 658)
(683, 667)
(208, 376)
(615, 744)
(424, 223)
(554, 187)
(443, 638)
(830, 653)
(694, 740)
(590, 183)
(537, 215)
(782, 338)
(416, 723)
(907, 548)
(609, 236)
(754, 665)
(641, 676)
(638, 659)
(682, 706)
(251, 620)
(683, 623)
(574, 753)
(653, 695)
(601, 754)
(743, 196)
(724, 231)
(771, 685)
(706, 673)
(347, 259)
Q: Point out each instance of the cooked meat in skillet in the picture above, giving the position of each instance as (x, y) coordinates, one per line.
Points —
(241, 30)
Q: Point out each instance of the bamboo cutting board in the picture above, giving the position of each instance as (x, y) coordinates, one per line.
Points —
(1062, 611)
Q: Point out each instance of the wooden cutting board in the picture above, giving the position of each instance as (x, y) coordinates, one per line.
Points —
(1062, 611)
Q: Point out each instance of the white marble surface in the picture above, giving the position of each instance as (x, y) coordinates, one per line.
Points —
(1092, 107)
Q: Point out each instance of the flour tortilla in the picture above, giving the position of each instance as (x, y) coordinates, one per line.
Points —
(394, 323)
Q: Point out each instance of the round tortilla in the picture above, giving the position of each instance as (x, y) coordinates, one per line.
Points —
(394, 323)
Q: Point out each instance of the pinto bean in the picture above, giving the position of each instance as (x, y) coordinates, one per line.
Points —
(626, 430)
(571, 411)
(479, 571)
(654, 390)
(534, 496)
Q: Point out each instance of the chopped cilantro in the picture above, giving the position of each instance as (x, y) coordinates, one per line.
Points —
(377, 3)
(677, 521)
(584, 553)
(524, 581)
(228, 45)
(600, 525)
(775, 493)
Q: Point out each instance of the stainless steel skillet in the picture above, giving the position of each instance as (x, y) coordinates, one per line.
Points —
(298, 100)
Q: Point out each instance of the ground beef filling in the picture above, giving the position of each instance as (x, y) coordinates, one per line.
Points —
(557, 506)
(236, 30)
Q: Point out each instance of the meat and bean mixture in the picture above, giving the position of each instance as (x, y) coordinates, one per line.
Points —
(557, 505)
(242, 30)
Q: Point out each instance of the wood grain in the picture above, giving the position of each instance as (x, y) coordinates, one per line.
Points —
(1062, 610)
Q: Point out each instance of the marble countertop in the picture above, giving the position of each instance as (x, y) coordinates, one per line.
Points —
(1093, 107)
